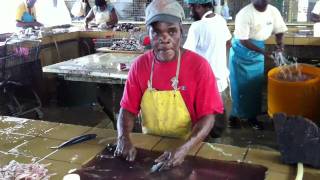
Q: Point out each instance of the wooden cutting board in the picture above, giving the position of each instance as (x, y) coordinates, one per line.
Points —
(106, 166)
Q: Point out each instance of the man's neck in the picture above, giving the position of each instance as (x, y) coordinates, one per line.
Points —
(210, 15)
(259, 8)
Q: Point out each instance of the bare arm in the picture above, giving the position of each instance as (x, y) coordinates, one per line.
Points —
(228, 46)
(113, 18)
(279, 41)
(89, 17)
(125, 125)
(199, 132)
(248, 44)
(315, 17)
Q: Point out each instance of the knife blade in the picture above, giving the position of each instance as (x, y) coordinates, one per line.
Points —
(157, 167)
(75, 140)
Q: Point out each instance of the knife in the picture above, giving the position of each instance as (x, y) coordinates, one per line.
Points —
(157, 167)
(75, 140)
(161, 165)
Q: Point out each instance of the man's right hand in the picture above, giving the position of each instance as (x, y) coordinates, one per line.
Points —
(268, 56)
(125, 149)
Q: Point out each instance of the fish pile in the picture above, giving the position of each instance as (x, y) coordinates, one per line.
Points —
(292, 75)
(289, 71)
(19, 171)
(126, 44)
(126, 27)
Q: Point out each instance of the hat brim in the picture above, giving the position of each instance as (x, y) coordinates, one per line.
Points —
(163, 18)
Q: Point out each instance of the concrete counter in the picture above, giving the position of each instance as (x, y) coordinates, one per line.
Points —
(97, 68)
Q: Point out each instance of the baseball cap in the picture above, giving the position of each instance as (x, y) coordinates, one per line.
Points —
(164, 10)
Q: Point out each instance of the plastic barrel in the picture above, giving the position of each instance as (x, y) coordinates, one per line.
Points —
(295, 98)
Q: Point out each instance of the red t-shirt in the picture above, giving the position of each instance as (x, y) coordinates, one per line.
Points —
(197, 83)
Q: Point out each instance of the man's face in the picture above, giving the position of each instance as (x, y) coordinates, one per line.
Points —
(165, 40)
(261, 4)
(194, 13)
(30, 3)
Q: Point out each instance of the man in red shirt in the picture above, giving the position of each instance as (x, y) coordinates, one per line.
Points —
(173, 89)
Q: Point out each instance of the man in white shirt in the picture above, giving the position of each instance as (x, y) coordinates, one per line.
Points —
(254, 24)
(315, 17)
(210, 37)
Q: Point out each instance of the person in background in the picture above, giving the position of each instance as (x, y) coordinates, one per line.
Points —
(225, 10)
(53, 13)
(173, 89)
(26, 14)
(145, 41)
(80, 9)
(254, 24)
(104, 13)
(315, 17)
(210, 37)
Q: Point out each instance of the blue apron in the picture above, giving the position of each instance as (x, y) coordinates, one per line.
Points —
(27, 17)
(246, 79)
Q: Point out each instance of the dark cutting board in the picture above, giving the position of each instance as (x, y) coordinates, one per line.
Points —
(105, 166)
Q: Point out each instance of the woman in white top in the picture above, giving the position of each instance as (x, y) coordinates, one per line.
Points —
(253, 25)
(104, 14)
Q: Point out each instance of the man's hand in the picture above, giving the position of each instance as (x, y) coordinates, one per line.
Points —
(170, 159)
(199, 132)
(279, 48)
(102, 26)
(268, 56)
(125, 149)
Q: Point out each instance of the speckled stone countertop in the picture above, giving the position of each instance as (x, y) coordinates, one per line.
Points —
(99, 67)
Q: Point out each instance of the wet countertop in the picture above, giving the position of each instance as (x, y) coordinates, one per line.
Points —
(291, 38)
(99, 67)
(298, 36)
(25, 139)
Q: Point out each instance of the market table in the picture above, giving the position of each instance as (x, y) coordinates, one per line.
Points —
(98, 68)
(25, 139)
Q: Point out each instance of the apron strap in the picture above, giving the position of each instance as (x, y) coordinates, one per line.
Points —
(151, 76)
(174, 80)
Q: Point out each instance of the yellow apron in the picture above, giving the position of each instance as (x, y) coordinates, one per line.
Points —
(164, 113)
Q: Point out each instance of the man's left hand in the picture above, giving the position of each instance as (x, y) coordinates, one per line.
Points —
(125, 149)
(279, 47)
(171, 159)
